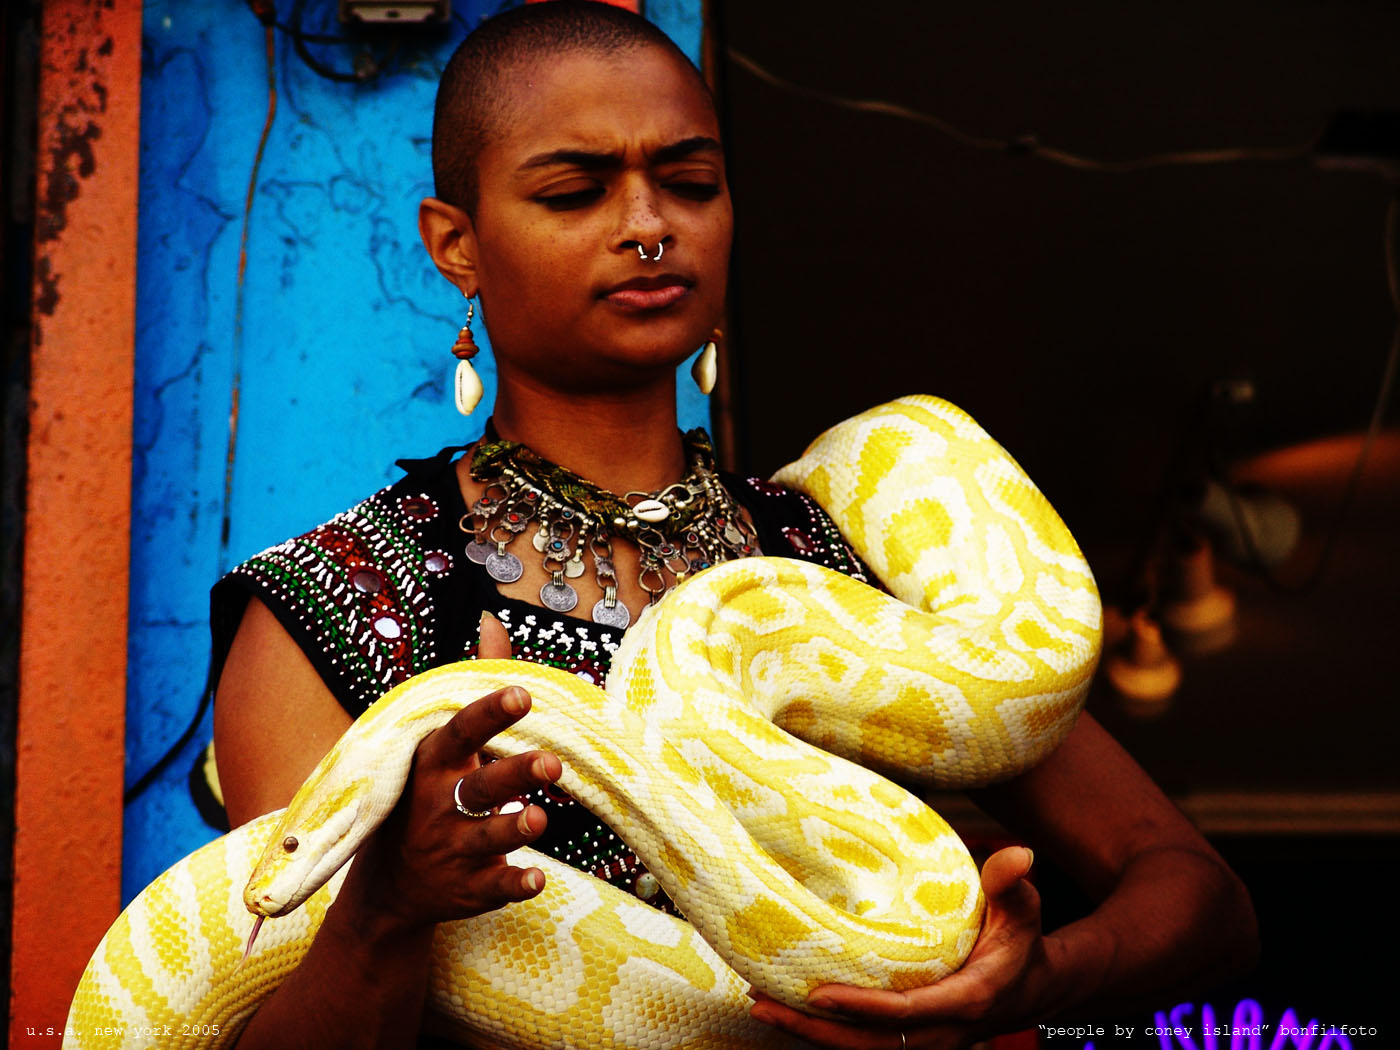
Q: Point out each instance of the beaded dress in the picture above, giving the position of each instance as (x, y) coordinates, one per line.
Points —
(384, 591)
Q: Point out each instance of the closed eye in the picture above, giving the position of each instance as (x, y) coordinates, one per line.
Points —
(695, 191)
(572, 200)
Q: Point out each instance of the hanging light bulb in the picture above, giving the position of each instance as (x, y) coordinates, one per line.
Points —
(1199, 615)
(1143, 671)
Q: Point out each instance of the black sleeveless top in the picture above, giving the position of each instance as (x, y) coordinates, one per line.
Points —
(384, 591)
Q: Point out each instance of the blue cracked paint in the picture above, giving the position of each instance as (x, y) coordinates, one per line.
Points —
(342, 352)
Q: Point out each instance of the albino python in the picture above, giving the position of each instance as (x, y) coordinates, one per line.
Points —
(795, 867)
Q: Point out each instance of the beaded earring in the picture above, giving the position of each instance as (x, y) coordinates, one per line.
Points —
(466, 384)
(706, 369)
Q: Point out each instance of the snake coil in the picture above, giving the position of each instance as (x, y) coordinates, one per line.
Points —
(741, 749)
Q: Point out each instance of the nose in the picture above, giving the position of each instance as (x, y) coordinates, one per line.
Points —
(642, 223)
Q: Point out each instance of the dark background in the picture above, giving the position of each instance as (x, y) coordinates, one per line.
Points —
(1076, 314)
(1084, 318)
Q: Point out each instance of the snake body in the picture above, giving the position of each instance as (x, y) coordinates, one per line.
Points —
(741, 749)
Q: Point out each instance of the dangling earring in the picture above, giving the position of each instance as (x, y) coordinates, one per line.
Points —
(466, 384)
(706, 369)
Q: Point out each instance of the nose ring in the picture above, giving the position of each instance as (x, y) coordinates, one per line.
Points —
(660, 247)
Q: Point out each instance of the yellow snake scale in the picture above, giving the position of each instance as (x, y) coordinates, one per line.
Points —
(714, 754)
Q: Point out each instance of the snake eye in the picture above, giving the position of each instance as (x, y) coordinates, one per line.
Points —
(290, 843)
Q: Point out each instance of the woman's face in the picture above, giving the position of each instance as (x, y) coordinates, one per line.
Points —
(595, 156)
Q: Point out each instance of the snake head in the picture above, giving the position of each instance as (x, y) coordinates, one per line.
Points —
(315, 837)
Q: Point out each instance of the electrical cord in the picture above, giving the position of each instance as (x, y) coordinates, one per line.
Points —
(1022, 145)
(266, 13)
(225, 522)
(1373, 428)
(366, 68)
(1030, 145)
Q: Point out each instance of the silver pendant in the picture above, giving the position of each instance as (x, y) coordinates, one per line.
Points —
(617, 616)
(646, 887)
(558, 596)
(479, 552)
(504, 567)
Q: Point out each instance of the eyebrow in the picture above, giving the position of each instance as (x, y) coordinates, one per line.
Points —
(591, 161)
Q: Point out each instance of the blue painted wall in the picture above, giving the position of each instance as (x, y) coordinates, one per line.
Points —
(341, 352)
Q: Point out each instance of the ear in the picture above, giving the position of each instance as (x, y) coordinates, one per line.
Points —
(450, 237)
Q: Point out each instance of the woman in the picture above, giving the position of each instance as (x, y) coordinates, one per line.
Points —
(582, 200)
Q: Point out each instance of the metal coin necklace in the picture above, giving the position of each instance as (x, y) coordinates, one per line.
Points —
(678, 530)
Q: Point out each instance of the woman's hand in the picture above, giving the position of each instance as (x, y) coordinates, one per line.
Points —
(430, 863)
(997, 989)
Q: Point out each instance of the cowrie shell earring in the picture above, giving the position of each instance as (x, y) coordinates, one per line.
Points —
(706, 367)
(466, 384)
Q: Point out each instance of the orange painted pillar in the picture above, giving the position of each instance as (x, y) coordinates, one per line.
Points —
(68, 792)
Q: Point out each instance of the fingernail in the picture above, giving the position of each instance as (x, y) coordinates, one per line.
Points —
(762, 1015)
(514, 701)
(1030, 859)
(540, 768)
(481, 624)
(820, 1002)
(523, 821)
(534, 880)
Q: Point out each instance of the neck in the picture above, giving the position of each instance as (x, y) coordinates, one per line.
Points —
(622, 441)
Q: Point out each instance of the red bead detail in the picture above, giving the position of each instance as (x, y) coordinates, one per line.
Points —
(801, 542)
(418, 507)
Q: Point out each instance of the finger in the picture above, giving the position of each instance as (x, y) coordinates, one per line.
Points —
(455, 744)
(494, 640)
(876, 1004)
(1013, 902)
(496, 783)
(950, 1000)
(1004, 871)
(509, 778)
(823, 1032)
(957, 998)
(505, 832)
(503, 884)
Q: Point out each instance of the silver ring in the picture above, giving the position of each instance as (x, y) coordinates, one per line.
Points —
(462, 807)
(660, 247)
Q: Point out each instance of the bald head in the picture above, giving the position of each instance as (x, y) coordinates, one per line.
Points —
(474, 95)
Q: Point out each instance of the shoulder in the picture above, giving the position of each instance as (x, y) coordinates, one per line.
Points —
(792, 524)
(360, 594)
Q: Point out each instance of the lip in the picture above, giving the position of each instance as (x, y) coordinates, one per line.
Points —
(648, 293)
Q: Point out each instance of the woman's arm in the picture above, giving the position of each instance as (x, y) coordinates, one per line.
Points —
(1171, 915)
(364, 980)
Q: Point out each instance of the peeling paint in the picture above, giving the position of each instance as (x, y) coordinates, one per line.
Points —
(46, 300)
(61, 184)
(71, 153)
